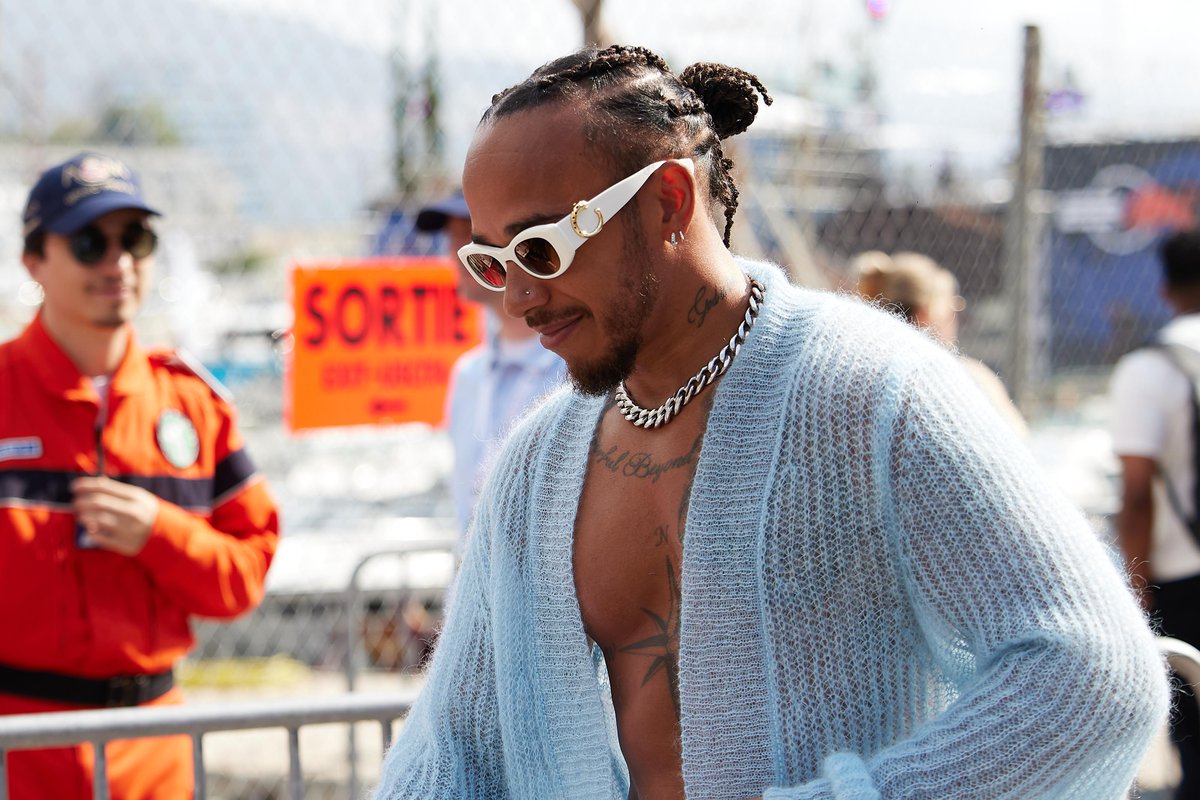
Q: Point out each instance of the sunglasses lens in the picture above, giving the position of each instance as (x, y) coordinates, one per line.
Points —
(489, 270)
(139, 240)
(538, 256)
(88, 245)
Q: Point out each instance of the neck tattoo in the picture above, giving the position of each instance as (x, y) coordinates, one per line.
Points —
(657, 417)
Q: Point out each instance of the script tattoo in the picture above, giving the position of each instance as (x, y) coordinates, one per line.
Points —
(642, 464)
(663, 647)
(702, 305)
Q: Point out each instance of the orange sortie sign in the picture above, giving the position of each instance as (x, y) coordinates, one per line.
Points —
(374, 341)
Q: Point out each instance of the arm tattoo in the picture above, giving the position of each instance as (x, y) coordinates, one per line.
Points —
(702, 305)
(663, 647)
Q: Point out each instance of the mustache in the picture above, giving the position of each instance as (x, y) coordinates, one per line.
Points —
(537, 319)
(113, 283)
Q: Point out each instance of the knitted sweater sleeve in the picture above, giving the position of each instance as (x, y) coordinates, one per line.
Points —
(1059, 686)
(450, 744)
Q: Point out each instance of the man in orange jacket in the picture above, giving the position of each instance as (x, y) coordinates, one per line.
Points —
(127, 500)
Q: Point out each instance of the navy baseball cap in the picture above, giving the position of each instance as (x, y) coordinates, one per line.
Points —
(433, 217)
(71, 194)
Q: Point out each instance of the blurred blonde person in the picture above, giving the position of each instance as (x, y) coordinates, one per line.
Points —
(926, 294)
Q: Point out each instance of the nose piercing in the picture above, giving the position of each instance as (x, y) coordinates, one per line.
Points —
(527, 292)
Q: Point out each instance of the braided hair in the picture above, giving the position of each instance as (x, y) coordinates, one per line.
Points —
(637, 111)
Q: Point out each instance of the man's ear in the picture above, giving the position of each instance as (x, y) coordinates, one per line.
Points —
(31, 262)
(677, 198)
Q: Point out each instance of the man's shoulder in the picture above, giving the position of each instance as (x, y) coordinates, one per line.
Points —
(11, 360)
(1148, 361)
(477, 355)
(821, 311)
(8, 368)
(1146, 384)
(6, 353)
(472, 364)
(1183, 330)
(560, 401)
(841, 331)
(539, 437)
(188, 374)
(562, 408)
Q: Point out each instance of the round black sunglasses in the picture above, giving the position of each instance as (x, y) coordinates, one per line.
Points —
(90, 244)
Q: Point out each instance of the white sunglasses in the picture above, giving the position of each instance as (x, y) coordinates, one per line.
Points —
(545, 251)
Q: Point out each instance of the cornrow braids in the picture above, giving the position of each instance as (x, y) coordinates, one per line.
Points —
(636, 110)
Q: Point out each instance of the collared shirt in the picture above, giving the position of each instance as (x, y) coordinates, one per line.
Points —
(491, 386)
(1151, 416)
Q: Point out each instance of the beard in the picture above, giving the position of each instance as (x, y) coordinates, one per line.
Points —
(107, 313)
(116, 316)
(635, 298)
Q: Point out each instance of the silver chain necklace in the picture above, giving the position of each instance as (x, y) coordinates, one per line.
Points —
(657, 417)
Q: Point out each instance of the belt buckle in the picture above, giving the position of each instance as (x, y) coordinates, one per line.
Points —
(126, 690)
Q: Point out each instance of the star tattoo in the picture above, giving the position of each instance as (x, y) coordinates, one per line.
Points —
(663, 647)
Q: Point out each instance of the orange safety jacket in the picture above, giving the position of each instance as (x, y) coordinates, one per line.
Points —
(89, 612)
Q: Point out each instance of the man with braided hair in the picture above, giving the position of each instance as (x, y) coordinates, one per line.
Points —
(821, 568)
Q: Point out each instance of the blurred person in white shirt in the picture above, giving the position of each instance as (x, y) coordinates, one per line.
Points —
(492, 384)
(1154, 436)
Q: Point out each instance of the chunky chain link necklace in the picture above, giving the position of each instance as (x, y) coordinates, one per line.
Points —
(657, 417)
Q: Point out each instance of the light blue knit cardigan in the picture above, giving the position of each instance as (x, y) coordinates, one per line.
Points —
(883, 597)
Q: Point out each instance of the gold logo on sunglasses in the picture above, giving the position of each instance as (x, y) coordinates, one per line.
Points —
(580, 206)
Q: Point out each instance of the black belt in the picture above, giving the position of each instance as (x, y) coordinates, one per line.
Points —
(121, 691)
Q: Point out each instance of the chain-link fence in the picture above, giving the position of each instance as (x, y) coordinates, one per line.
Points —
(272, 131)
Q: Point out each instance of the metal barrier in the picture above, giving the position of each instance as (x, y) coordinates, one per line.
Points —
(1159, 772)
(30, 731)
(353, 616)
(1183, 658)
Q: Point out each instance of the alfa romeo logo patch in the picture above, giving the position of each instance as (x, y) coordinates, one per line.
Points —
(177, 438)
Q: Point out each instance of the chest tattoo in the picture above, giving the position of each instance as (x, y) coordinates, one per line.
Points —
(642, 464)
(662, 535)
(662, 648)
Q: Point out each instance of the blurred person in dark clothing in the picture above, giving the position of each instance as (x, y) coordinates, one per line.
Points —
(127, 500)
(1154, 436)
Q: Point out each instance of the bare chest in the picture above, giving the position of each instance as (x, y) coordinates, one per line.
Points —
(629, 533)
(629, 536)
